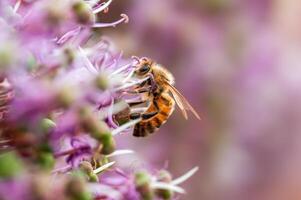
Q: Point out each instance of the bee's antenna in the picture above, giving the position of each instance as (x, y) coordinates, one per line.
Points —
(136, 58)
(145, 59)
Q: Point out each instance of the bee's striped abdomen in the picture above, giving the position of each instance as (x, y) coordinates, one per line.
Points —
(166, 104)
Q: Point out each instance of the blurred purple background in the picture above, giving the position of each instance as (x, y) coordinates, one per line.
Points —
(239, 64)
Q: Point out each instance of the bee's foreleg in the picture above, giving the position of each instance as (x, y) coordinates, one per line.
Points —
(135, 115)
(139, 91)
(143, 83)
(153, 83)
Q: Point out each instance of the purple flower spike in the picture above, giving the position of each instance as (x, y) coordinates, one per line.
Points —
(64, 98)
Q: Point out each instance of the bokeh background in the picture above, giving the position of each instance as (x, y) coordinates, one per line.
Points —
(239, 64)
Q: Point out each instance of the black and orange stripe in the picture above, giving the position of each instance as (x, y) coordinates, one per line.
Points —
(162, 103)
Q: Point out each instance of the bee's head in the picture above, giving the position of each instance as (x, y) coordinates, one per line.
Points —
(143, 68)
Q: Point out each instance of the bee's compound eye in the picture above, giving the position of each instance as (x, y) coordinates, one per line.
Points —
(144, 69)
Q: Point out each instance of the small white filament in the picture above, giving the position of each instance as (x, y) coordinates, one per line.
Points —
(120, 152)
(119, 70)
(105, 166)
(89, 65)
(124, 18)
(167, 186)
(117, 107)
(184, 177)
(17, 6)
(101, 8)
(128, 76)
(130, 84)
(92, 2)
(125, 126)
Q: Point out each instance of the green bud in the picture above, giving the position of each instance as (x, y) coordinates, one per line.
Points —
(102, 81)
(75, 188)
(93, 178)
(164, 194)
(65, 97)
(108, 144)
(100, 130)
(90, 124)
(104, 160)
(10, 165)
(164, 176)
(142, 182)
(83, 13)
(142, 178)
(46, 160)
(86, 167)
(78, 173)
(45, 147)
(47, 125)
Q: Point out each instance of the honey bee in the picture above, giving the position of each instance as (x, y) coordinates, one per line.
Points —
(161, 94)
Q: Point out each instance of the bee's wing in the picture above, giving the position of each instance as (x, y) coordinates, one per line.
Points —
(182, 102)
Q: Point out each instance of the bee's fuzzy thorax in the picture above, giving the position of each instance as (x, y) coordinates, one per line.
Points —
(162, 74)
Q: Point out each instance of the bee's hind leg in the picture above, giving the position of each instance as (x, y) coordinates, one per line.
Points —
(135, 103)
(143, 115)
(149, 115)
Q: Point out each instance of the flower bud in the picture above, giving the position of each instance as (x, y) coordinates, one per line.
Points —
(47, 125)
(86, 168)
(65, 97)
(83, 13)
(93, 178)
(108, 144)
(101, 130)
(76, 190)
(102, 81)
(164, 176)
(90, 124)
(10, 165)
(164, 193)
(142, 182)
(46, 160)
